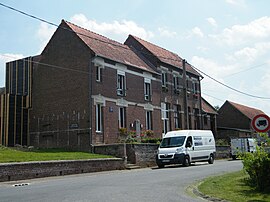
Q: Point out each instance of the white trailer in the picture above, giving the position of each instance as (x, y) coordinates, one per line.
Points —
(242, 145)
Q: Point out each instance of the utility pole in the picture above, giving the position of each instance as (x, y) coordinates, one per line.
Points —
(186, 124)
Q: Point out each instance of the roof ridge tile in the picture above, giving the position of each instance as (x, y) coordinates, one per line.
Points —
(102, 36)
(157, 46)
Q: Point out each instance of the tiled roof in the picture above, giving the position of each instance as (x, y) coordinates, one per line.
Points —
(105, 47)
(206, 107)
(247, 111)
(165, 56)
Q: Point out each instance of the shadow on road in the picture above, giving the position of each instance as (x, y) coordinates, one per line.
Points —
(180, 166)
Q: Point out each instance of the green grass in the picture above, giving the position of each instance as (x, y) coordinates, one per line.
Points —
(232, 187)
(15, 155)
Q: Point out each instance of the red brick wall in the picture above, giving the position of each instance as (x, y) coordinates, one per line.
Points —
(230, 117)
(60, 90)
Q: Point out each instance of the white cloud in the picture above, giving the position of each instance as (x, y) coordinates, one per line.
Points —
(202, 49)
(241, 3)
(7, 57)
(44, 33)
(248, 55)
(212, 22)
(166, 33)
(264, 82)
(258, 29)
(211, 67)
(197, 32)
(122, 29)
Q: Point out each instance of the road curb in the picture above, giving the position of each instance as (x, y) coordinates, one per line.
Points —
(196, 191)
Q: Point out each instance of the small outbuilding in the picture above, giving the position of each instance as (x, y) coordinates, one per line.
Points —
(234, 120)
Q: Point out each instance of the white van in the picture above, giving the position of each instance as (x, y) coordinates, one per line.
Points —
(185, 147)
(242, 145)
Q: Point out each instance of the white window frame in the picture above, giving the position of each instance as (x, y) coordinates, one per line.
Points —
(147, 90)
(177, 116)
(99, 118)
(165, 113)
(122, 117)
(149, 120)
(175, 81)
(98, 73)
(121, 83)
(164, 78)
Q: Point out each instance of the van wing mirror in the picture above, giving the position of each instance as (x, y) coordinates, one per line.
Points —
(188, 144)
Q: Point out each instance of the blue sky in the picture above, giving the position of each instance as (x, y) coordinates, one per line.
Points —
(227, 39)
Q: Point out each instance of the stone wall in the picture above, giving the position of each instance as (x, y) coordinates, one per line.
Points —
(144, 154)
(223, 152)
(117, 150)
(29, 170)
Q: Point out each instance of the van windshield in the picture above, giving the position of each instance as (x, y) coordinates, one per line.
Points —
(172, 142)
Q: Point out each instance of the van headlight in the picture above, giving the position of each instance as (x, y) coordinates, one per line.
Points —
(179, 150)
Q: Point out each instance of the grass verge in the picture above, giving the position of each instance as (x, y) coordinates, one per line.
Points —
(14, 155)
(232, 187)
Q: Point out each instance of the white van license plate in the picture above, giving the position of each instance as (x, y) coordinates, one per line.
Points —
(165, 161)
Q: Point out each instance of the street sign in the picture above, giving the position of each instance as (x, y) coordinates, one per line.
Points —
(261, 123)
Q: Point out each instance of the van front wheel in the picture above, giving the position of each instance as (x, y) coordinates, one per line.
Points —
(186, 162)
(211, 159)
(160, 165)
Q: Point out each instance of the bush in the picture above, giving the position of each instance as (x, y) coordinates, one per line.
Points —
(151, 140)
(257, 165)
(222, 142)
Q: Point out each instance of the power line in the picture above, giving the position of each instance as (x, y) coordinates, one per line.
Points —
(117, 44)
(123, 46)
(213, 97)
(245, 70)
(231, 88)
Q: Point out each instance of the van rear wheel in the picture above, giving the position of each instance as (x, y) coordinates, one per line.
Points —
(211, 159)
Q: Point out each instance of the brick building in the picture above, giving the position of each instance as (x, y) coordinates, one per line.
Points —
(234, 120)
(181, 100)
(84, 87)
(209, 117)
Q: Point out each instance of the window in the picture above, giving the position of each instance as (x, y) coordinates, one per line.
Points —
(205, 119)
(175, 81)
(121, 85)
(98, 73)
(99, 116)
(189, 119)
(197, 120)
(165, 107)
(177, 116)
(164, 78)
(122, 117)
(149, 125)
(195, 87)
(147, 91)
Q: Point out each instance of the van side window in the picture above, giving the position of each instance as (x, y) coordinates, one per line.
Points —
(189, 142)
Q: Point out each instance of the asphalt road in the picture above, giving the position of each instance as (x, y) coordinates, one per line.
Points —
(148, 184)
